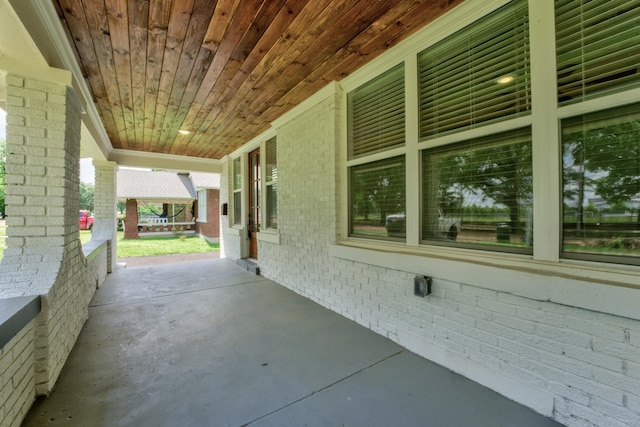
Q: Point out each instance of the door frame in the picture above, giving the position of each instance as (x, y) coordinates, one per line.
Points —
(254, 195)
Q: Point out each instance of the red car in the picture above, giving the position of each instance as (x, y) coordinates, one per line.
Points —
(86, 220)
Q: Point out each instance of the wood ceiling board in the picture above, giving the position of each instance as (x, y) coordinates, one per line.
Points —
(268, 69)
(138, 31)
(269, 39)
(223, 69)
(98, 28)
(181, 12)
(192, 67)
(117, 15)
(310, 52)
(85, 54)
(78, 32)
(224, 12)
(159, 14)
(259, 25)
(206, 97)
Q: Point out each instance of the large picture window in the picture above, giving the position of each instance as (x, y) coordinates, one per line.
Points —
(478, 76)
(479, 193)
(377, 199)
(477, 133)
(601, 185)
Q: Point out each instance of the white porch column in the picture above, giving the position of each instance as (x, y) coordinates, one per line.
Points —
(43, 253)
(105, 205)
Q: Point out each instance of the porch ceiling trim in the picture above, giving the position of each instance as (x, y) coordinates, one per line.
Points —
(158, 200)
(174, 162)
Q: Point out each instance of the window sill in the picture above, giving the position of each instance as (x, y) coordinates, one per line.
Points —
(235, 230)
(600, 287)
(271, 236)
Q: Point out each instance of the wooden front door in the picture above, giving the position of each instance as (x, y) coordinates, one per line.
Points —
(254, 202)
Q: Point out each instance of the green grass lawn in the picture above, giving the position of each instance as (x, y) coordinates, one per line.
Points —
(147, 246)
(163, 246)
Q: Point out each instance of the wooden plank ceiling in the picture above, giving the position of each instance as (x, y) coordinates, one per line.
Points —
(223, 69)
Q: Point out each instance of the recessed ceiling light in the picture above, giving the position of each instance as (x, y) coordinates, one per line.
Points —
(184, 132)
(505, 79)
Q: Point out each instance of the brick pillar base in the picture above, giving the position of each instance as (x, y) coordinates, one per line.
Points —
(131, 220)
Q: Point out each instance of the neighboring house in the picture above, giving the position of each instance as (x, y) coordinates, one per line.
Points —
(176, 202)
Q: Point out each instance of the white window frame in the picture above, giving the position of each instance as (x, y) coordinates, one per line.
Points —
(579, 280)
(268, 184)
(266, 234)
(202, 205)
(374, 155)
(234, 191)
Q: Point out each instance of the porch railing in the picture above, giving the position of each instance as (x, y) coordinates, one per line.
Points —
(150, 225)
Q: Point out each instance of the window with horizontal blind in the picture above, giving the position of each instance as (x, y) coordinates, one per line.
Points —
(377, 114)
(601, 185)
(377, 199)
(478, 76)
(479, 193)
(598, 48)
(271, 183)
(237, 191)
(476, 138)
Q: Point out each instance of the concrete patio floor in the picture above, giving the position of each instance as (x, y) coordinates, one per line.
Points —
(205, 343)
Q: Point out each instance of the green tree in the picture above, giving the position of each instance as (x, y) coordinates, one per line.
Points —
(378, 189)
(362, 202)
(617, 155)
(591, 208)
(575, 176)
(501, 173)
(87, 192)
(504, 173)
(606, 158)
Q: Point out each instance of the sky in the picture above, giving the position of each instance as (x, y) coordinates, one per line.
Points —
(87, 171)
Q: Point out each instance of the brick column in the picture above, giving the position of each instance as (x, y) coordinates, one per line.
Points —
(188, 212)
(43, 254)
(105, 205)
(131, 220)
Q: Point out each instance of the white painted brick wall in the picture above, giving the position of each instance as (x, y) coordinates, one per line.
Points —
(105, 226)
(589, 362)
(229, 242)
(307, 208)
(17, 384)
(43, 255)
(97, 269)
